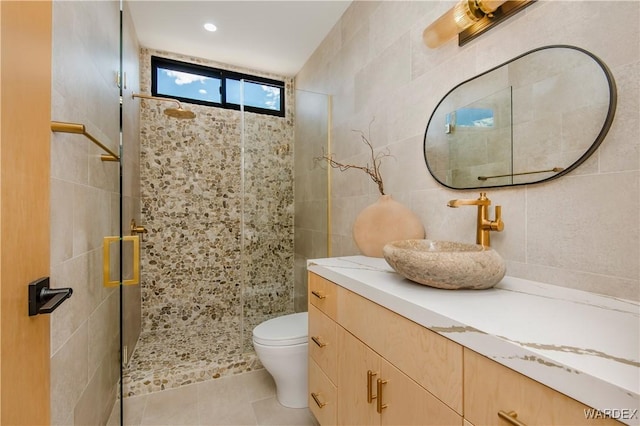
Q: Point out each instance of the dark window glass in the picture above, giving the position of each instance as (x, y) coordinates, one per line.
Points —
(180, 84)
(259, 95)
(192, 83)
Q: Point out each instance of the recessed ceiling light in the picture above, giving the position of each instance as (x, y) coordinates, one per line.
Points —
(210, 27)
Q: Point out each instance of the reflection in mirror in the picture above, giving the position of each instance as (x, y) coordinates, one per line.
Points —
(476, 137)
(532, 119)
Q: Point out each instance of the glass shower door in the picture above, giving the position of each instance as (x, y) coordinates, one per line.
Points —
(85, 202)
(134, 234)
(312, 189)
(266, 227)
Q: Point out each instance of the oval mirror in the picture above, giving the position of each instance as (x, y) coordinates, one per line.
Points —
(529, 120)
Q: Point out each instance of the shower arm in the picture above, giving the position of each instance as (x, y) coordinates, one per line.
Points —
(156, 98)
(179, 112)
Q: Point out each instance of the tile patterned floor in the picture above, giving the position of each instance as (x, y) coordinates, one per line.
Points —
(169, 359)
(241, 399)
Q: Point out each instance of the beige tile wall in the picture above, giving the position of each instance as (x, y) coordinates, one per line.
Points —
(85, 206)
(582, 231)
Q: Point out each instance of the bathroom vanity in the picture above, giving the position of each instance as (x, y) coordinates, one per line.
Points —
(385, 350)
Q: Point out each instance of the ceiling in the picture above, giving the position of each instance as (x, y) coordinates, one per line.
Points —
(270, 36)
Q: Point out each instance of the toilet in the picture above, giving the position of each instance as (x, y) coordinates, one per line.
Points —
(282, 346)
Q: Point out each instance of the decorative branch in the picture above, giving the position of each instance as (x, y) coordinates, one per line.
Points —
(373, 169)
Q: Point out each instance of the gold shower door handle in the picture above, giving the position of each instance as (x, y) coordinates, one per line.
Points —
(106, 261)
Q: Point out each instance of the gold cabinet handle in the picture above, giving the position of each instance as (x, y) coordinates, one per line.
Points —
(316, 398)
(317, 294)
(380, 406)
(370, 396)
(511, 417)
(318, 342)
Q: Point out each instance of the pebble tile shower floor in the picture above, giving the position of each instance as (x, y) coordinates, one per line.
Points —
(166, 359)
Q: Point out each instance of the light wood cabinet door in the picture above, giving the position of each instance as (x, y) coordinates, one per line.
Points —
(490, 387)
(433, 361)
(407, 403)
(371, 391)
(355, 387)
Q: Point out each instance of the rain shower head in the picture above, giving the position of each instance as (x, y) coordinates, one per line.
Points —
(178, 112)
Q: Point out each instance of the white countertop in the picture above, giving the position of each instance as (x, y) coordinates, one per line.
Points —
(584, 345)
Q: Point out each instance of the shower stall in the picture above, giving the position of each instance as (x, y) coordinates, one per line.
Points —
(218, 257)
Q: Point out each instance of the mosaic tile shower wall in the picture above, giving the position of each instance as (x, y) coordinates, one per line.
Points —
(218, 258)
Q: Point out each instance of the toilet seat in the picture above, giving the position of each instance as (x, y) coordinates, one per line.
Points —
(286, 330)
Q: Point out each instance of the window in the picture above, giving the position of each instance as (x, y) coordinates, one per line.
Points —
(198, 84)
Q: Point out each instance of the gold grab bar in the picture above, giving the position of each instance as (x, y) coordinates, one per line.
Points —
(59, 126)
(555, 169)
(106, 261)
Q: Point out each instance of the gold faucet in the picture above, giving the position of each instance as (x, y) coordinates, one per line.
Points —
(137, 230)
(484, 226)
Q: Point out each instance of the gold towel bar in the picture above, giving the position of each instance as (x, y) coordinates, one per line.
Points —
(555, 169)
(58, 126)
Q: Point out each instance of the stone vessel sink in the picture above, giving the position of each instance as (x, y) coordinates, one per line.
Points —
(445, 264)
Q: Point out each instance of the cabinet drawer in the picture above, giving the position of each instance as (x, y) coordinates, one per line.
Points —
(322, 295)
(490, 387)
(322, 342)
(322, 395)
(433, 361)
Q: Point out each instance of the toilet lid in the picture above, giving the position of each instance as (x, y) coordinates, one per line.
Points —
(282, 331)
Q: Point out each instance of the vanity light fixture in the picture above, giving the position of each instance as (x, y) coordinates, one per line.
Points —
(468, 19)
(210, 27)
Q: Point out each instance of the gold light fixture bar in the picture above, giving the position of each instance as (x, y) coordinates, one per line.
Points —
(468, 19)
(555, 169)
(59, 126)
(489, 21)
